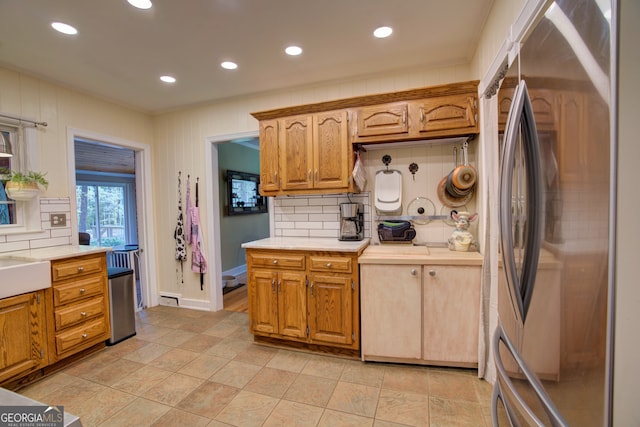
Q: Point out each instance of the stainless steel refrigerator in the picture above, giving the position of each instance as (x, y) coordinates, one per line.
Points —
(551, 346)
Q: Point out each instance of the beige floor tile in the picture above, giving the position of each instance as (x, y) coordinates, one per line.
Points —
(235, 374)
(147, 353)
(73, 395)
(293, 414)
(174, 359)
(340, 419)
(178, 418)
(139, 413)
(324, 366)
(247, 409)
(271, 382)
(289, 361)
(381, 423)
(221, 329)
(175, 338)
(444, 412)
(90, 364)
(125, 347)
(173, 389)
(101, 406)
(200, 343)
(311, 390)
(151, 332)
(198, 325)
(404, 378)
(141, 380)
(173, 322)
(363, 373)
(403, 408)
(208, 399)
(256, 355)
(203, 366)
(113, 372)
(355, 399)
(47, 385)
(453, 386)
(228, 348)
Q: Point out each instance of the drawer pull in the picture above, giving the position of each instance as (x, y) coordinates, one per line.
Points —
(328, 265)
(80, 269)
(432, 273)
(83, 290)
(83, 313)
(414, 272)
(275, 261)
(84, 336)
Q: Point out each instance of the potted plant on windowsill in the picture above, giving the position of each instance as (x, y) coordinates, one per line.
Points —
(24, 185)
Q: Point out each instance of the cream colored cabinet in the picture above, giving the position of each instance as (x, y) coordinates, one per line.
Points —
(305, 154)
(391, 311)
(23, 343)
(423, 314)
(303, 297)
(79, 305)
(451, 307)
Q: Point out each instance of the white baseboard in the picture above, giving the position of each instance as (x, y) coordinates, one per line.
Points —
(196, 304)
(170, 299)
(236, 271)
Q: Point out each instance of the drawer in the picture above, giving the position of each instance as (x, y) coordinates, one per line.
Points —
(335, 264)
(75, 267)
(76, 313)
(79, 289)
(81, 334)
(285, 261)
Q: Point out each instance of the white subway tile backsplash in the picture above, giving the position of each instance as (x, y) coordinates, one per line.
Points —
(324, 233)
(324, 217)
(295, 233)
(47, 243)
(309, 225)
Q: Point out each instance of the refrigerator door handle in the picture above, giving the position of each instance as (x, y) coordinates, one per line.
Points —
(505, 387)
(521, 120)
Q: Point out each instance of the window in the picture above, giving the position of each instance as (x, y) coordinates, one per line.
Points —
(8, 212)
(106, 208)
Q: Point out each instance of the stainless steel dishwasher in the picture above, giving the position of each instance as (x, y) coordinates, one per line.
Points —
(121, 304)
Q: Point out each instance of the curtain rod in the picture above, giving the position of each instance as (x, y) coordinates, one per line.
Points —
(22, 119)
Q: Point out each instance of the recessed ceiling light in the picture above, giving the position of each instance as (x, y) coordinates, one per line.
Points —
(293, 50)
(64, 28)
(168, 79)
(229, 65)
(383, 32)
(141, 4)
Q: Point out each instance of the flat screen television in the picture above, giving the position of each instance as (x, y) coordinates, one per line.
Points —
(243, 196)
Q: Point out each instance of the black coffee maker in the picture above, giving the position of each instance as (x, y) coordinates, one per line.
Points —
(351, 221)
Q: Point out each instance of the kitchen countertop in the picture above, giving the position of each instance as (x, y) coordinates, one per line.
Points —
(409, 254)
(56, 252)
(307, 244)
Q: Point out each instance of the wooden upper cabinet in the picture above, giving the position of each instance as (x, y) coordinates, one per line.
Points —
(453, 113)
(378, 120)
(296, 152)
(269, 156)
(331, 152)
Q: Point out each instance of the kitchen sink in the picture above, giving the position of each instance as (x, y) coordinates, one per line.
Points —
(19, 276)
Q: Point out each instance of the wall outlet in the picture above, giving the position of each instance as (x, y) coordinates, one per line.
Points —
(58, 219)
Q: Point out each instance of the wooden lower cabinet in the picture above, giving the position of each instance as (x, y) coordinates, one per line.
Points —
(22, 335)
(423, 314)
(304, 297)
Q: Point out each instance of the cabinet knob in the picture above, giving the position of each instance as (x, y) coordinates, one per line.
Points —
(275, 261)
(414, 271)
(83, 313)
(80, 269)
(328, 265)
(84, 336)
(82, 290)
(432, 273)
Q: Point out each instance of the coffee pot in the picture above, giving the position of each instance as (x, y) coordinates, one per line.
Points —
(351, 221)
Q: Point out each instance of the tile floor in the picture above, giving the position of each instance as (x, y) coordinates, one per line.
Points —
(193, 368)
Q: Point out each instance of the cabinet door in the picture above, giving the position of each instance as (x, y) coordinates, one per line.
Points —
(269, 156)
(456, 113)
(331, 150)
(451, 314)
(22, 334)
(292, 304)
(385, 119)
(263, 301)
(391, 311)
(296, 152)
(571, 158)
(330, 309)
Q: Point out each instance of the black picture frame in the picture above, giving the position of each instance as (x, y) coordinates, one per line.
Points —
(243, 195)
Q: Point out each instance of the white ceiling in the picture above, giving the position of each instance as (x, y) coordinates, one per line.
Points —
(120, 52)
